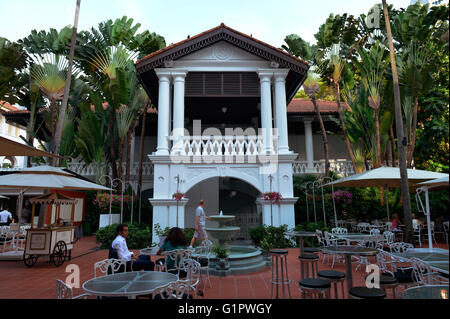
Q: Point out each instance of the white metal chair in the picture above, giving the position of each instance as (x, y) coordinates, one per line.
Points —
(339, 230)
(363, 227)
(176, 257)
(445, 226)
(110, 266)
(388, 226)
(388, 237)
(370, 242)
(64, 291)
(400, 247)
(374, 231)
(193, 270)
(422, 273)
(417, 232)
(331, 240)
(203, 253)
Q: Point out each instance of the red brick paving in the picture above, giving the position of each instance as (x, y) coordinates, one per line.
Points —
(38, 282)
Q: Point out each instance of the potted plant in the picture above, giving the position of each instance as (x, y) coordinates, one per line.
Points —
(266, 246)
(221, 253)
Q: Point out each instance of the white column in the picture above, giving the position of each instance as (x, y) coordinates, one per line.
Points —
(178, 109)
(163, 112)
(266, 109)
(309, 144)
(281, 112)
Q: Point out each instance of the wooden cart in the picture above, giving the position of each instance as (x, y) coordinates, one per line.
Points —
(55, 242)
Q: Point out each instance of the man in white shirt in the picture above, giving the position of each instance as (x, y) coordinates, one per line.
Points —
(200, 222)
(120, 246)
(5, 217)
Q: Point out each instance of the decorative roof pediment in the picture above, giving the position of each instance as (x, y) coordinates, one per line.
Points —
(221, 43)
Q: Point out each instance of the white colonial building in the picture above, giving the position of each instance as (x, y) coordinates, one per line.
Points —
(221, 100)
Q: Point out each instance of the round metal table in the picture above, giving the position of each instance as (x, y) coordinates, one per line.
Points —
(300, 235)
(348, 252)
(426, 292)
(129, 284)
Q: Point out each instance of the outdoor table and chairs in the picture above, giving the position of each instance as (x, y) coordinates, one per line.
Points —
(149, 251)
(348, 252)
(300, 235)
(129, 284)
(437, 258)
(426, 292)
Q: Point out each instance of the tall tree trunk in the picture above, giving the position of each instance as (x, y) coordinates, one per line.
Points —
(392, 140)
(127, 163)
(344, 129)
(112, 121)
(401, 142)
(324, 136)
(141, 150)
(410, 157)
(120, 168)
(62, 110)
(378, 139)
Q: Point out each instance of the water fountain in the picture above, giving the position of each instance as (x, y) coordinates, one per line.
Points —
(242, 259)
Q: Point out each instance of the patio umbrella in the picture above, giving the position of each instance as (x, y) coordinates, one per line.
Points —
(52, 199)
(44, 177)
(435, 184)
(12, 148)
(386, 177)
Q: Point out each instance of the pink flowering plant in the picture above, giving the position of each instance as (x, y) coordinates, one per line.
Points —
(342, 196)
(274, 197)
(102, 200)
(178, 196)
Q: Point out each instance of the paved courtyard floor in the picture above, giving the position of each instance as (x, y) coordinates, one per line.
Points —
(21, 282)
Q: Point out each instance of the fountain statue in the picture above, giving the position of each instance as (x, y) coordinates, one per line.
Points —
(242, 259)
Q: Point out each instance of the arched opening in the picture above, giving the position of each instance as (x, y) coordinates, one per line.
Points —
(231, 195)
(8, 162)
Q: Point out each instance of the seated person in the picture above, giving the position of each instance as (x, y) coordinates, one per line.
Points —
(416, 222)
(174, 240)
(395, 222)
(120, 246)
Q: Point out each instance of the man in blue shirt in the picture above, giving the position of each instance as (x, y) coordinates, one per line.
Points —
(200, 221)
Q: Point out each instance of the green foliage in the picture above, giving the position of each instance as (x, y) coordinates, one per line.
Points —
(139, 236)
(270, 236)
(220, 251)
(12, 60)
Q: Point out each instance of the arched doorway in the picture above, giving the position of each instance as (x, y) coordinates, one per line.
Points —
(231, 195)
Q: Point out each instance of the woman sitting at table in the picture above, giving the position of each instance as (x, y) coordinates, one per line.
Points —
(174, 240)
(395, 222)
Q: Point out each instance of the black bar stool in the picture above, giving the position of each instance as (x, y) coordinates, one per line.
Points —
(315, 287)
(367, 293)
(307, 260)
(279, 272)
(334, 277)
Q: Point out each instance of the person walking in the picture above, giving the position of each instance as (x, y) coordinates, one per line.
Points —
(200, 222)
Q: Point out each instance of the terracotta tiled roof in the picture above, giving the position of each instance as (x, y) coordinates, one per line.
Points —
(211, 30)
(306, 106)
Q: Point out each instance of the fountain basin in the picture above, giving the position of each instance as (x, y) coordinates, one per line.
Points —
(222, 233)
(243, 260)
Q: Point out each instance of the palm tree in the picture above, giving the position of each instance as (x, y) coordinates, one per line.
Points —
(49, 73)
(399, 129)
(332, 67)
(311, 87)
(63, 108)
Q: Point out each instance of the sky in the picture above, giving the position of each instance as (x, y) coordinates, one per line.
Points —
(267, 20)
